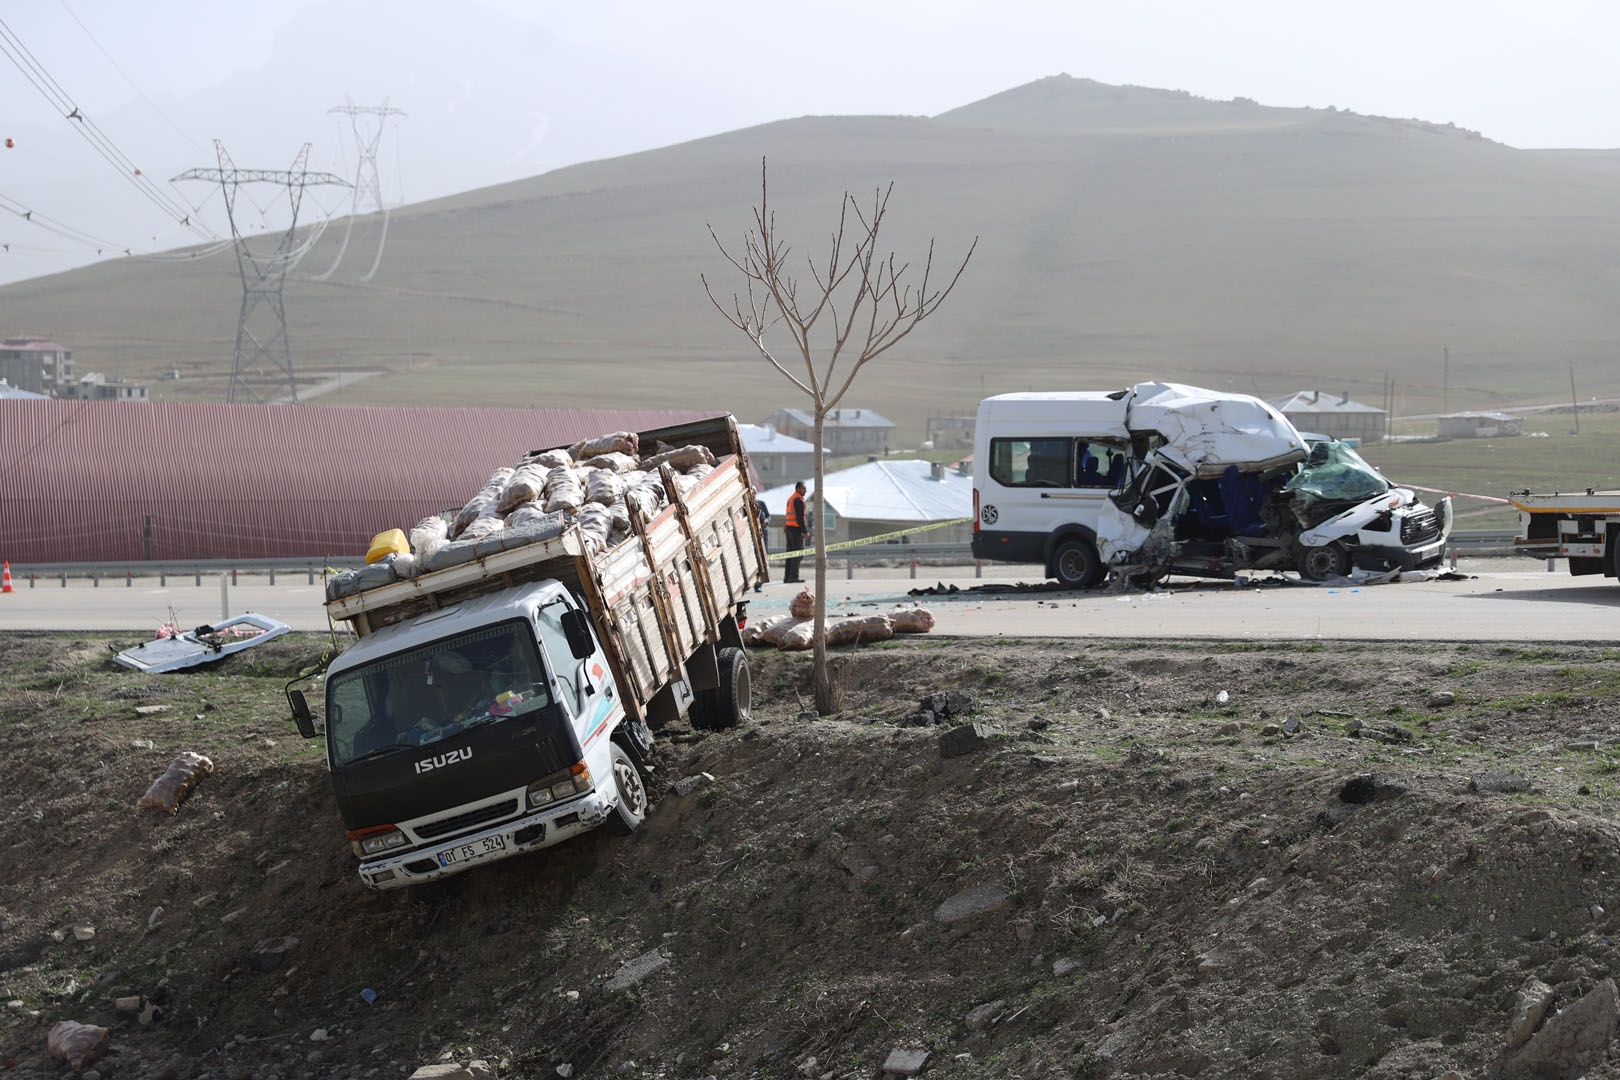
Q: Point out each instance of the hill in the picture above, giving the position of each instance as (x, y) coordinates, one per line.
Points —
(1125, 232)
(1132, 877)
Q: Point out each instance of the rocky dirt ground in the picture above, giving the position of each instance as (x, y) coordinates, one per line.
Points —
(1154, 859)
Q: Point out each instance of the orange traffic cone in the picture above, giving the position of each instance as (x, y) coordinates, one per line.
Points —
(5, 582)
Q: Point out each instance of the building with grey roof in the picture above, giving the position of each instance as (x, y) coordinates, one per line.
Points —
(1333, 415)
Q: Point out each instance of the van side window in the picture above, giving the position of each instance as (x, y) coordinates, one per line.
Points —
(1099, 465)
(1038, 462)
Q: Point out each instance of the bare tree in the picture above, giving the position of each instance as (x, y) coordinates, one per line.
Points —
(854, 306)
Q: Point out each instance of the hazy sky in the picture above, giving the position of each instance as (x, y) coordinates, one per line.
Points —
(504, 89)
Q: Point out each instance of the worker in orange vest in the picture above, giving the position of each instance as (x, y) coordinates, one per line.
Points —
(794, 527)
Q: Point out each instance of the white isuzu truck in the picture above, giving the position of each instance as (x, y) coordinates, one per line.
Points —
(506, 700)
(1162, 478)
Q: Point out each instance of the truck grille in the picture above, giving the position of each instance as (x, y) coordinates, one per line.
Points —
(446, 826)
(1420, 527)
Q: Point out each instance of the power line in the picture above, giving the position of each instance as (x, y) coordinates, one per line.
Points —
(132, 84)
(58, 98)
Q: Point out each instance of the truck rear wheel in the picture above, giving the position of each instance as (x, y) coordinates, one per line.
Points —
(630, 808)
(734, 700)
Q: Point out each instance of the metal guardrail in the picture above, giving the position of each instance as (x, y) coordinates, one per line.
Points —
(309, 570)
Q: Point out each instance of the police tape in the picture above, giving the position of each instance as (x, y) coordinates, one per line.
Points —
(865, 540)
(1456, 494)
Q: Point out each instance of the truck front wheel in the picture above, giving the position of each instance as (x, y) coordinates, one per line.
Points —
(630, 808)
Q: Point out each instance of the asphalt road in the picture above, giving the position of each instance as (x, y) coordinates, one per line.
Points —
(1500, 600)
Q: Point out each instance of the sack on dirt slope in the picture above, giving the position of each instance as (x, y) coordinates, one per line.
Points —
(184, 773)
(859, 630)
(804, 605)
(75, 1043)
(916, 620)
(799, 636)
(771, 632)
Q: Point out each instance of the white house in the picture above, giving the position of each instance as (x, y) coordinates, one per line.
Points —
(777, 458)
(886, 496)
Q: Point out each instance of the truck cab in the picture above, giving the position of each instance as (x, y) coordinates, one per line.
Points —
(477, 731)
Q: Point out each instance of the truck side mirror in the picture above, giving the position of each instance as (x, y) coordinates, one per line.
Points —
(301, 714)
(577, 625)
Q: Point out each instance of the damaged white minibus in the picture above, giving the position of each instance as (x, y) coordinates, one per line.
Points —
(1162, 478)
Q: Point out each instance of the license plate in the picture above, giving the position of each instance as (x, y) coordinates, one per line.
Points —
(479, 849)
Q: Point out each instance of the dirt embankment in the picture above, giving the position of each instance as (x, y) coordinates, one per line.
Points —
(1131, 876)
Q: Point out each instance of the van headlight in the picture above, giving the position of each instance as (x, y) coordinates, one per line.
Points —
(565, 784)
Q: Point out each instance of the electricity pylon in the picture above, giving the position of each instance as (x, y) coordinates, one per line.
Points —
(263, 275)
(367, 184)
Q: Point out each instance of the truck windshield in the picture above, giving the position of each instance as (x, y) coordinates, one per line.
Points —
(434, 691)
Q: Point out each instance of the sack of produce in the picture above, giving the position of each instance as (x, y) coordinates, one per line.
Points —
(529, 524)
(603, 486)
(859, 630)
(75, 1043)
(563, 491)
(645, 500)
(526, 485)
(183, 774)
(771, 633)
(594, 521)
(915, 620)
(799, 636)
(679, 460)
(619, 463)
(803, 605)
(549, 459)
(429, 535)
(620, 442)
(482, 501)
(482, 526)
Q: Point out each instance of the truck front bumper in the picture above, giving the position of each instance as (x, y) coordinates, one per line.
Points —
(451, 855)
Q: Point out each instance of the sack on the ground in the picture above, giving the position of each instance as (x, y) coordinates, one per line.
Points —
(859, 630)
(75, 1043)
(482, 501)
(917, 620)
(772, 632)
(804, 605)
(800, 636)
(184, 773)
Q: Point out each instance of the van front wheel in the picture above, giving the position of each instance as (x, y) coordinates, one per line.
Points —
(1322, 563)
(1075, 564)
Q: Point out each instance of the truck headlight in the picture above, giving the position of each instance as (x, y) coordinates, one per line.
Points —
(561, 785)
(376, 840)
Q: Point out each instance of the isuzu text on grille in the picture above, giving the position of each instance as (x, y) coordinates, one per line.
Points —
(439, 761)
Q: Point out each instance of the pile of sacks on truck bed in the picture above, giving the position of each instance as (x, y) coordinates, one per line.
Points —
(593, 484)
(796, 630)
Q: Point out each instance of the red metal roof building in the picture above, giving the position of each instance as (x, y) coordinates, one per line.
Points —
(102, 481)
